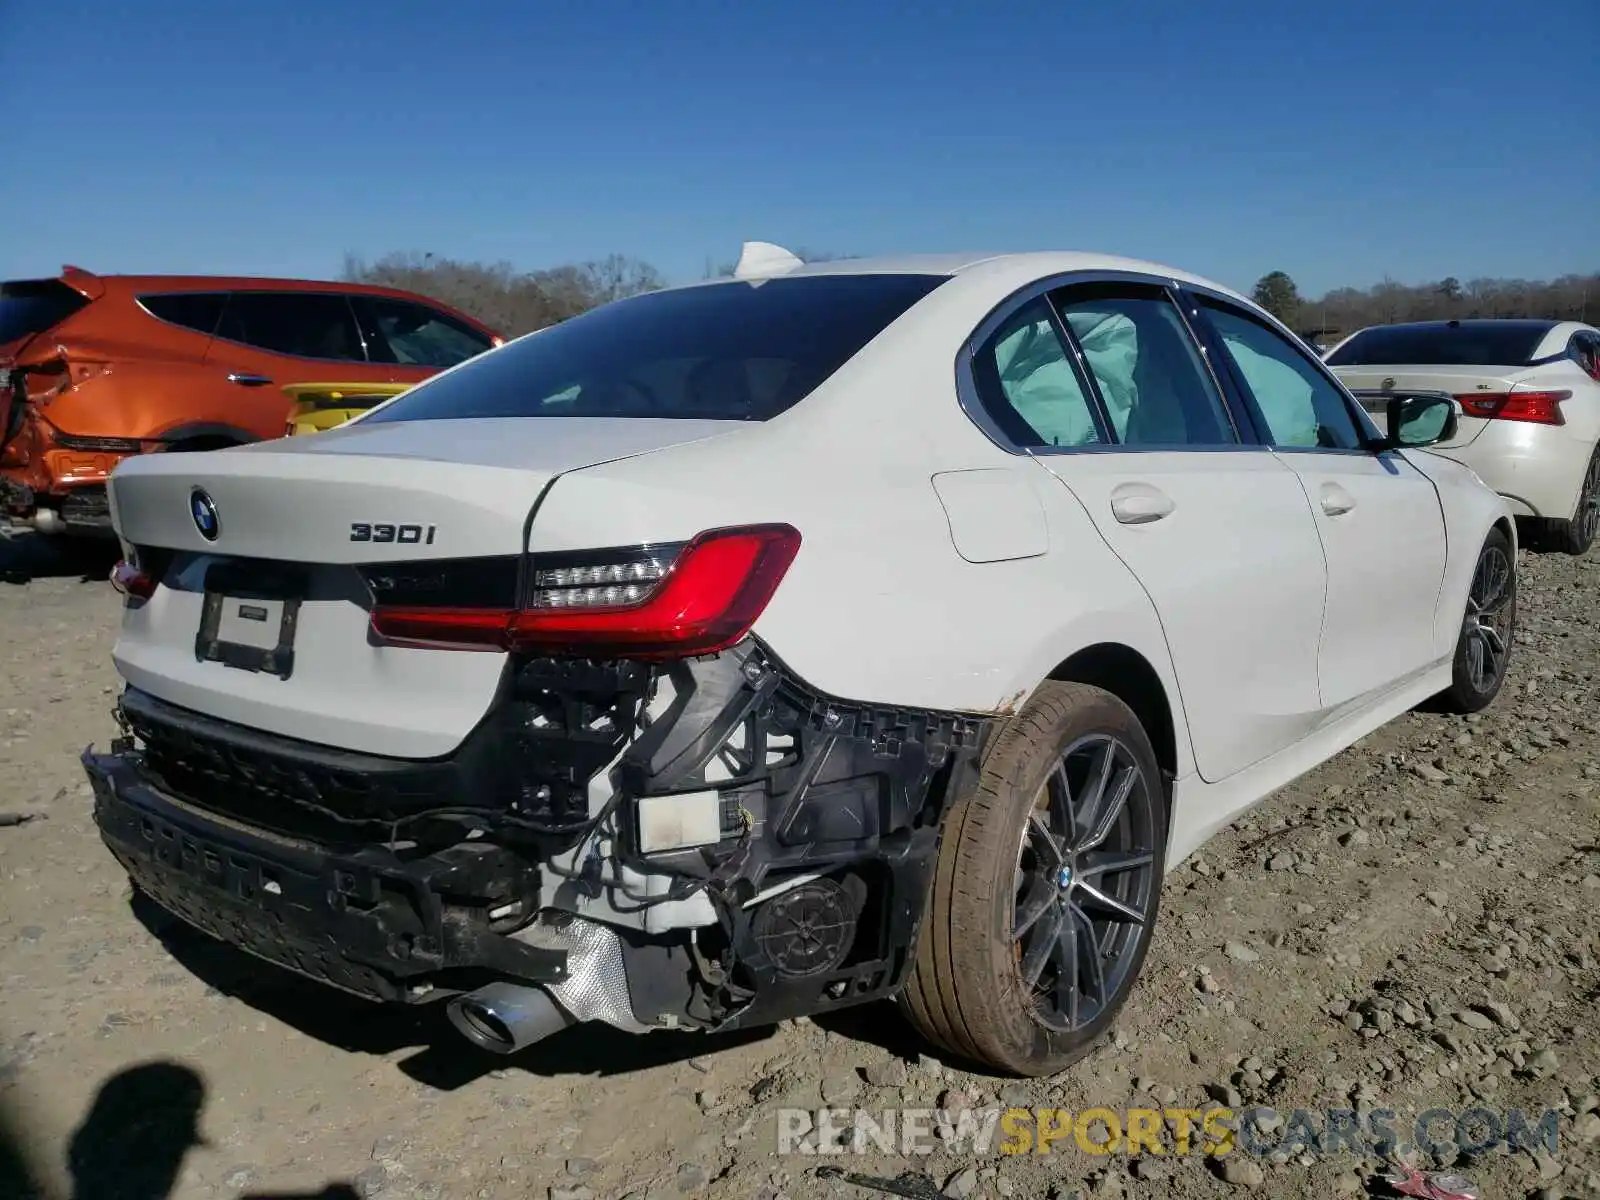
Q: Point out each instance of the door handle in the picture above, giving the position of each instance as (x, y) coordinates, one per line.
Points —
(1335, 500)
(1139, 503)
(249, 380)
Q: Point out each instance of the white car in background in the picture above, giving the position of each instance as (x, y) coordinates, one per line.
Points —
(1528, 396)
(764, 646)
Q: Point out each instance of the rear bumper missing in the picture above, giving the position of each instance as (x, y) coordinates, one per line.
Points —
(750, 813)
(366, 922)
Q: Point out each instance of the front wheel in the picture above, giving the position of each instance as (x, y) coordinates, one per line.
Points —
(1046, 887)
(1488, 629)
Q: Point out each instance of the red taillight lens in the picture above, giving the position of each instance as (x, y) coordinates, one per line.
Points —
(131, 581)
(703, 600)
(1541, 408)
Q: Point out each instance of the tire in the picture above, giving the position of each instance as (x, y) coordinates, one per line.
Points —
(967, 992)
(1577, 535)
(1488, 630)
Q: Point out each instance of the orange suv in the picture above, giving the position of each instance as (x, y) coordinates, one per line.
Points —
(96, 368)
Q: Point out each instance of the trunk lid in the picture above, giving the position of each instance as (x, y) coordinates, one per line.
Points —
(432, 504)
(1373, 385)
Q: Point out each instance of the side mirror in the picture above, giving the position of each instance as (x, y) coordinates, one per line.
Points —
(1418, 421)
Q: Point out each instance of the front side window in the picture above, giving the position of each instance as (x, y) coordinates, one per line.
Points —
(1029, 386)
(734, 351)
(1155, 386)
(414, 335)
(1300, 407)
(302, 324)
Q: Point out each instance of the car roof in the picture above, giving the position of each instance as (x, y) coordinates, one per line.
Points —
(1011, 268)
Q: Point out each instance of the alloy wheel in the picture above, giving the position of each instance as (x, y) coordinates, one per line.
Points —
(1587, 518)
(1488, 621)
(1086, 882)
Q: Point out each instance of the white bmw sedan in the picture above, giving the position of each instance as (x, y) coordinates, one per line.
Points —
(1528, 398)
(769, 645)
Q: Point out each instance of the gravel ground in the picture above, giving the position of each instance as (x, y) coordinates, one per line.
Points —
(1412, 926)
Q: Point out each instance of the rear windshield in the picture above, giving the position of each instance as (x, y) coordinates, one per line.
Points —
(31, 306)
(732, 351)
(1469, 344)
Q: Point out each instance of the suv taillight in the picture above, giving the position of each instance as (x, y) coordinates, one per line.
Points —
(1541, 408)
(131, 581)
(654, 603)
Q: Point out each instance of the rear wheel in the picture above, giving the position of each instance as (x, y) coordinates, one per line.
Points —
(1488, 629)
(1046, 888)
(1576, 536)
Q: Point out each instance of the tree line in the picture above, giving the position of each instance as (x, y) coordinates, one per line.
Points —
(1344, 310)
(517, 302)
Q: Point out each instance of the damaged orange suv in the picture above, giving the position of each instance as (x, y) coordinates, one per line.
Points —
(96, 368)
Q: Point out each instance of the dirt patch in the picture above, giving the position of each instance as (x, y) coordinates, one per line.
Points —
(1413, 926)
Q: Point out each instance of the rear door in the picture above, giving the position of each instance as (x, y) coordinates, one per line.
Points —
(1103, 382)
(267, 339)
(415, 340)
(1379, 517)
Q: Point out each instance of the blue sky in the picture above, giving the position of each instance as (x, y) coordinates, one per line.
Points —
(1338, 141)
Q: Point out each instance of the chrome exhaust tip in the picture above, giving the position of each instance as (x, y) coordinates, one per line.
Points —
(506, 1017)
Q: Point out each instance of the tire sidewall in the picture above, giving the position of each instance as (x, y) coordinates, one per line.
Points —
(1012, 1011)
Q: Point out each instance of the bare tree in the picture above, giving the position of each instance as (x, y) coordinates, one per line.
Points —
(496, 293)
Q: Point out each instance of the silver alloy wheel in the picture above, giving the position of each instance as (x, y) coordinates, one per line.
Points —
(1086, 882)
(1487, 627)
(1587, 519)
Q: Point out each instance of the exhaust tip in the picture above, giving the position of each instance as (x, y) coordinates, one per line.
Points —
(479, 1024)
(505, 1017)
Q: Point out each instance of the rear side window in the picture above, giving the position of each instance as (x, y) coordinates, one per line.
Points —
(1151, 378)
(1029, 386)
(31, 306)
(731, 351)
(199, 311)
(1464, 343)
(414, 335)
(302, 324)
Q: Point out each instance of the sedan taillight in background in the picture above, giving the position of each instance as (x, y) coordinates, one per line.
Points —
(1540, 408)
(654, 603)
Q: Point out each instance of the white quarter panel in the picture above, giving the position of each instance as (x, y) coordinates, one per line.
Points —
(994, 514)
(878, 605)
(1237, 576)
(1384, 537)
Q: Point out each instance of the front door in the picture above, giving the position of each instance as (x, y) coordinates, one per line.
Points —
(1380, 520)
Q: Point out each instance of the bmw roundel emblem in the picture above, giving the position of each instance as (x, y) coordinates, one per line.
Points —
(204, 511)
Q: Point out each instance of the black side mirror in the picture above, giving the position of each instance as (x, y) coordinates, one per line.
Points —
(1418, 421)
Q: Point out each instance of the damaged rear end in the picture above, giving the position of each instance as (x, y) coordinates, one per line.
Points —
(450, 745)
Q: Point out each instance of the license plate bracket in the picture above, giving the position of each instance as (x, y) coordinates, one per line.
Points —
(249, 617)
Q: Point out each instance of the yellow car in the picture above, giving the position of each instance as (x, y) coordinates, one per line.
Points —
(319, 406)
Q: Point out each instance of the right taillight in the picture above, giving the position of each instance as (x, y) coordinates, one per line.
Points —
(657, 603)
(1541, 408)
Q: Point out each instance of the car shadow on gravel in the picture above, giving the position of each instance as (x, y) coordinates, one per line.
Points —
(27, 556)
(444, 1060)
